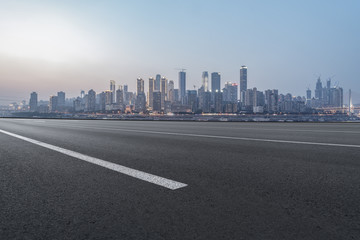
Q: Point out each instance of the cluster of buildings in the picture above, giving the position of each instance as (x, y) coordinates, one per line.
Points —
(327, 96)
(163, 97)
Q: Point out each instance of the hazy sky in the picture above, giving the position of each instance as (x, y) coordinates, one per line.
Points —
(49, 46)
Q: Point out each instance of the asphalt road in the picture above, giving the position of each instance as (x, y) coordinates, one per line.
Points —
(240, 180)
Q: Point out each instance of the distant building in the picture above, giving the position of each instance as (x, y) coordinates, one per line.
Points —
(243, 82)
(120, 96)
(218, 102)
(205, 81)
(112, 89)
(91, 101)
(126, 95)
(151, 90)
(108, 97)
(192, 100)
(318, 90)
(53, 105)
(61, 99)
(33, 102)
(164, 83)
(308, 94)
(157, 101)
(140, 104)
(102, 101)
(271, 100)
(176, 95)
(215, 82)
(182, 86)
(171, 97)
(139, 86)
(230, 92)
(157, 82)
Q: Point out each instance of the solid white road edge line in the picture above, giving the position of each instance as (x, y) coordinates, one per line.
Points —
(164, 182)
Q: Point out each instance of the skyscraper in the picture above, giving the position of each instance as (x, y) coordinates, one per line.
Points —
(126, 95)
(61, 99)
(120, 96)
(53, 105)
(108, 97)
(318, 89)
(182, 86)
(218, 101)
(215, 82)
(243, 82)
(171, 91)
(230, 92)
(91, 101)
(157, 101)
(308, 94)
(151, 90)
(33, 102)
(112, 89)
(205, 81)
(157, 82)
(164, 83)
(140, 86)
(140, 103)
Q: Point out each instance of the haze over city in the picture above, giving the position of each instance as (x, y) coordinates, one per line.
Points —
(48, 46)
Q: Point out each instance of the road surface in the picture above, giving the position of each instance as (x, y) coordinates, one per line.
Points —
(92, 179)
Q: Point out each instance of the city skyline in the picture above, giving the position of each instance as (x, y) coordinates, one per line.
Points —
(55, 45)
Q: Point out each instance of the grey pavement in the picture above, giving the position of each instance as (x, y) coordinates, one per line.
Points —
(244, 180)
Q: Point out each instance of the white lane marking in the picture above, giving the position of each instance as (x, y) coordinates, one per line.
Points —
(217, 136)
(164, 182)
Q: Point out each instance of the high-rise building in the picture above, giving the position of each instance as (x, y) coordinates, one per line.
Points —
(336, 97)
(319, 89)
(108, 97)
(206, 102)
(33, 102)
(230, 92)
(249, 99)
(182, 86)
(243, 82)
(350, 102)
(218, 102)
(164, 83)
(102, 101)
(120, 96)
(53, 105)
(157, 101)
(61, 99)
(151, 90)
(126, 95)
(271, 100)
(215, 82)
(112, 89)
(192, 100)
(139, 86)
(176, 95)
(308, 94)
(140, 103)
(91, 101)
(205, 81)
(157, 82)
(171, 91)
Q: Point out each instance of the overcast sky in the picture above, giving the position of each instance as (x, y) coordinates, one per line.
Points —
(50, 46)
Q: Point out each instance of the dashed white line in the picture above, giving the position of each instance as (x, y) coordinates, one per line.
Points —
(164, 182)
